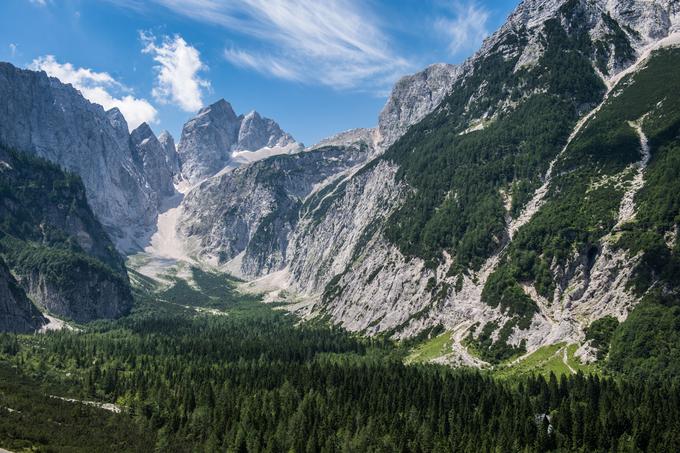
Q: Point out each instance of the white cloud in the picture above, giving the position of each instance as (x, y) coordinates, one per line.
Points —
(12, 49)
(39, 2)
(465, 27)
(178, 67)
(97, 87)
(332, 42)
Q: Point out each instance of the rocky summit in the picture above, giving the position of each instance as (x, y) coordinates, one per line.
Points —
(217, 138)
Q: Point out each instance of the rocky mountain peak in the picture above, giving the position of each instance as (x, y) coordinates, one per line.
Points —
(143, 131)
(117, 119)
(257, 132)
(217, 138)
(42, 116)
(151, 155)
(166, 138)
(413, 97)
(219, 111)
(171, 158)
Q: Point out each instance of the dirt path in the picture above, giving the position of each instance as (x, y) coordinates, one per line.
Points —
(565, 360)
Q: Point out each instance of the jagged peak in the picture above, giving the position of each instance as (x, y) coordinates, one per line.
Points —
(117, 119)
(219, 108)
(252, 114)
(165, 135)
(143, 131)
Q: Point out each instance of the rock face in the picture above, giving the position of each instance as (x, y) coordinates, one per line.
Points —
(412, 98)
(243, 216)
(42, 116)
(153, 158)
(251, 211)
(257, 132)
(352, 137)
(17, 312)
(170, 150)
(54, 245)
(89, 295)
(335, 248)
(364, 282)
(209, 140)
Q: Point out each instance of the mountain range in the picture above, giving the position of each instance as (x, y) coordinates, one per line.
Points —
(513, 200)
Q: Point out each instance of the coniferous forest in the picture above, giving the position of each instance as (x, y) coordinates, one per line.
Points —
(250, 379)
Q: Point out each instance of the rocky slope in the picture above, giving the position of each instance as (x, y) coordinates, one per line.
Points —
(156, 160)
(59, 252)
(40, 115)
(217, 138)
(452, 264)
(498, 206)
(17, 312)
(251, 211)
(412, 98)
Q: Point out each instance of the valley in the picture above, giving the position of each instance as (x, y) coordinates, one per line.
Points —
(197, 365)
(494, 266)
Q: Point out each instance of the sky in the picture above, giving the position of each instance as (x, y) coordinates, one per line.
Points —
(317, 67)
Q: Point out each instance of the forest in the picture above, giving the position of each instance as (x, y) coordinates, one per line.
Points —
(246, 377)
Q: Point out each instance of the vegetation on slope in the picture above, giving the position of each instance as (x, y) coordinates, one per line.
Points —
(583, 200)
(458, 178)
(253, 380)
(49, 233)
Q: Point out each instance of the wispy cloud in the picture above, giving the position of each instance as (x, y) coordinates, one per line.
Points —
(465, 26)
(332, 42)
(12, 49)
(179, 64)
(98, 87)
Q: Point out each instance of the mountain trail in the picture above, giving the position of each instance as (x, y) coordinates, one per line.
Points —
(565, 360)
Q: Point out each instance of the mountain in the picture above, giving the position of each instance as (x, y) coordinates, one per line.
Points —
(156, 160)
(473, 179)
(412, 98)
(217, 138)
(55, 247)
(505, 198)
(17, 312)
(52, 120)
(250, 212)
(171, 157)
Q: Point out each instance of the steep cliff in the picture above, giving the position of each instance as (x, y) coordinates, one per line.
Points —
(171, 157)
(40, 115)
(17, 312)
(217, 137)
(251, 211)
(154, 160)
(53, 243)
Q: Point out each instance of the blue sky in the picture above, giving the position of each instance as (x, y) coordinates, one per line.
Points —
(315, 66)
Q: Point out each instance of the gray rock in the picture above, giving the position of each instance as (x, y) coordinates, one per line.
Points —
(153, 159)
(412, 98)
(257, 132)
(42, 116)
(209, 140)
(17, 312)
(253, 209)
(171, 156)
